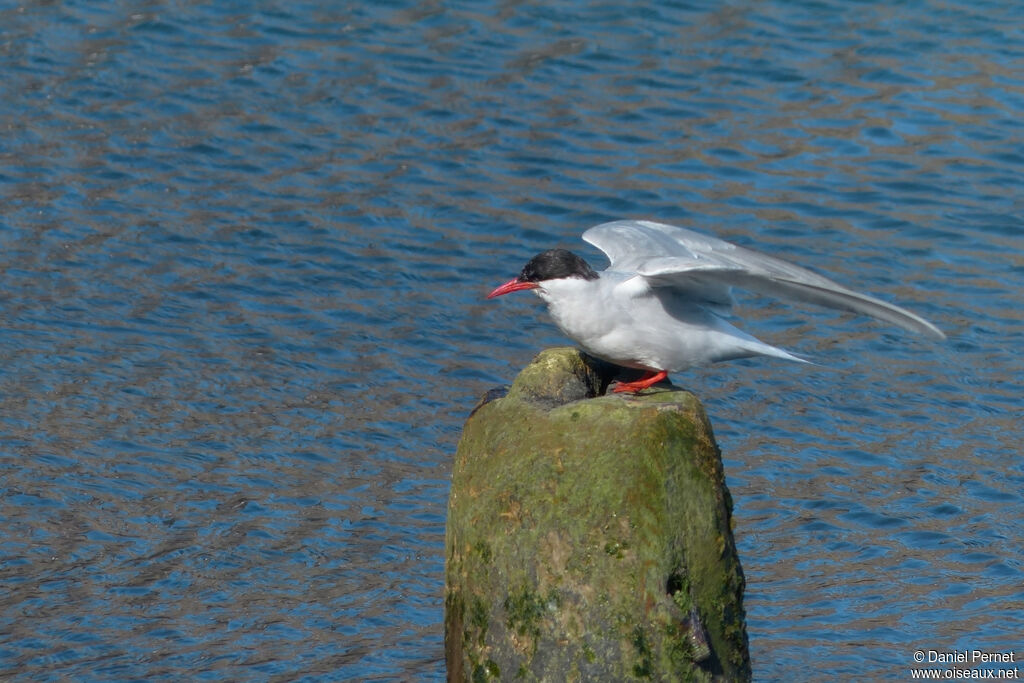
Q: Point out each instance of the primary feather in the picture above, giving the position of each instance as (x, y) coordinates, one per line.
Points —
(708, 268)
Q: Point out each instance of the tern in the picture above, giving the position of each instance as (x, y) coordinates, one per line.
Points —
(659, 305)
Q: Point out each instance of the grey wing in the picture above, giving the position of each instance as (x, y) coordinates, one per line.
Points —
(707, 267)
(632, 245)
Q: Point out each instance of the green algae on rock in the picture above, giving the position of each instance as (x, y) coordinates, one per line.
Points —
(589, 536)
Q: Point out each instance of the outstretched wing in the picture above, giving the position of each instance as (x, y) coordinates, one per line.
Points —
(707, 267)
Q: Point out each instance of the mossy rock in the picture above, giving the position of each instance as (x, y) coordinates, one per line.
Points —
(589, 536)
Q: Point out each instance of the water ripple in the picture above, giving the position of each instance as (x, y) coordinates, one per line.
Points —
(244, 250)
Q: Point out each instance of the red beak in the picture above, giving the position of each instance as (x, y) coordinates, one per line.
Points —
(512, 286)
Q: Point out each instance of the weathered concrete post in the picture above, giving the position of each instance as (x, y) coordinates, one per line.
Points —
(589, 539)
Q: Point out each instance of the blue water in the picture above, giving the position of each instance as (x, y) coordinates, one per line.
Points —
(243, 250)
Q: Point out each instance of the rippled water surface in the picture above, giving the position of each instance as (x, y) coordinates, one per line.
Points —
(243, 250)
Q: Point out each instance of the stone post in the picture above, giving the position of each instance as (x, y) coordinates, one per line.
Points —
(589, 536)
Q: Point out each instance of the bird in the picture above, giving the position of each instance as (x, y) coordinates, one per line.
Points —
(659, 305)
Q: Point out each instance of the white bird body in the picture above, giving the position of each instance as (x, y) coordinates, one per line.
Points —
(657, 307)
(621, 319)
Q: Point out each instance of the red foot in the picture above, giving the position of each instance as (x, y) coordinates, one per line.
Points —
(648, 380)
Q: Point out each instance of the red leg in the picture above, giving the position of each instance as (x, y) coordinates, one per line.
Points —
(651, 378)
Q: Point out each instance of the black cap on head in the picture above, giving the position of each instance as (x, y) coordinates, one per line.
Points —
(555, 264)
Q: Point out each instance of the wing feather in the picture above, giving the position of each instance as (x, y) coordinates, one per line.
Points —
(707, 268)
